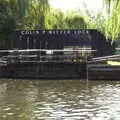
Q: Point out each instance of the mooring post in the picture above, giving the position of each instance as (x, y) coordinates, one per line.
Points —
(86, 61)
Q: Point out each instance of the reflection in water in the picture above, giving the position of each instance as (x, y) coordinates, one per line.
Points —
(59, 100)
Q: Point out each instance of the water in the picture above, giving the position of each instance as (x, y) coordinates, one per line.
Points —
(59, 100)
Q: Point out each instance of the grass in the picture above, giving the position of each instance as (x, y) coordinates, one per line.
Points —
(113, 63)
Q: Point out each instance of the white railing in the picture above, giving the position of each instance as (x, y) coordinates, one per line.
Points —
(27, 55)
(52, 50)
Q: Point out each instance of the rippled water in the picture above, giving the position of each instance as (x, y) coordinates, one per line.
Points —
(59, 100)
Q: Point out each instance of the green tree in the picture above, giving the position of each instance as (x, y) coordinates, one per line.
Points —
(109, 4)
(97, 22)
(8, 14)
(35, 14)
(23, 5)
(56, 19)
(112, 26)
(76, 20)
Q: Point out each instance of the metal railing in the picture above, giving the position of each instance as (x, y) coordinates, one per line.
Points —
(27, 56)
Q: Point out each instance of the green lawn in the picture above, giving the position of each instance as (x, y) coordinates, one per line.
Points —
(113, 62)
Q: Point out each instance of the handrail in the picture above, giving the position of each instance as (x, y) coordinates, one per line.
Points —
(52, 50)
(60, 58)
(41, 56)
(21, 56)
(105, 58)
(111, 56)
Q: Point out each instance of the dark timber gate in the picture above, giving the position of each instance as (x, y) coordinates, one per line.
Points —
(19, 65)
(59, 39)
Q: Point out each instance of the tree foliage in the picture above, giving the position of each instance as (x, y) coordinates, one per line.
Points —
(8, 17)
(112, 24)
(56, 19)
(109, 5)
(37, 14)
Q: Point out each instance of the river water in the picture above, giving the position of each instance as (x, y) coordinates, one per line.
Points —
(59, 100)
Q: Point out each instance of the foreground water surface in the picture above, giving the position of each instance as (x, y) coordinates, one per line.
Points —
(59, 100)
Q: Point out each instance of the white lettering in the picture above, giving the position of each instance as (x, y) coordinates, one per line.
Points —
(27, 32)
(61, 31)
(64, 32)
(75, 32)
(57, 32)
(43, 32)
(22, 32)
(87, 32)
(37, 32)
(68, 31)
(50, 31)
(54, 32)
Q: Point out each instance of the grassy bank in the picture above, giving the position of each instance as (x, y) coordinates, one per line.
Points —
(113, 62)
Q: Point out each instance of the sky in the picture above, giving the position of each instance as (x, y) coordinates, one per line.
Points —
(94, 5)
